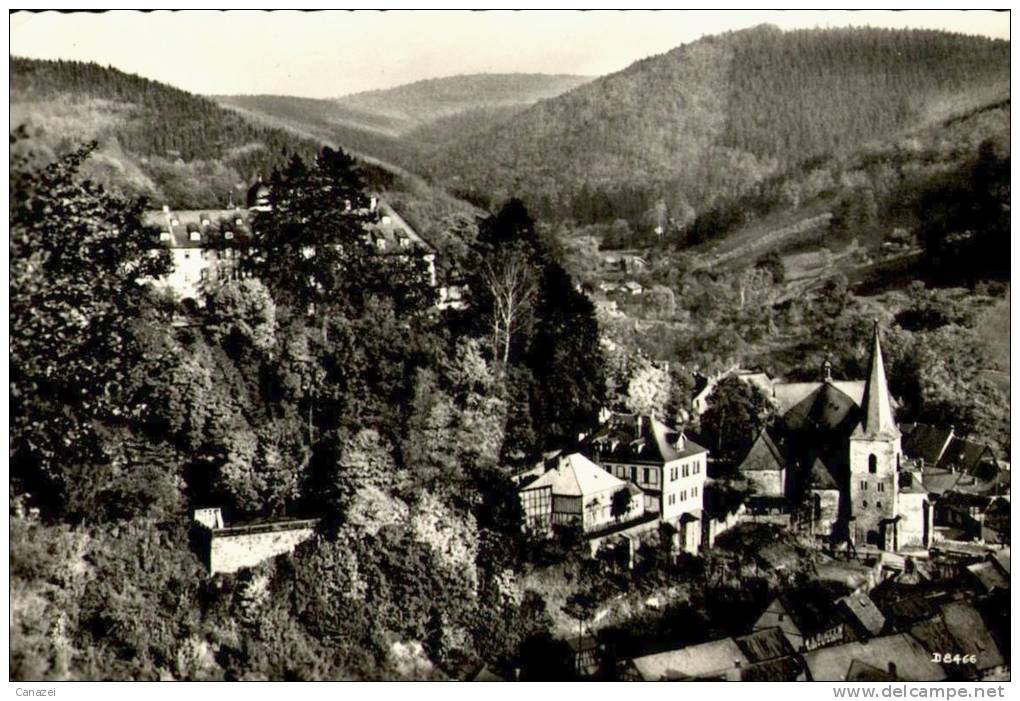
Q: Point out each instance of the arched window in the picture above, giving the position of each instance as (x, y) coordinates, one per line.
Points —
(872, 464)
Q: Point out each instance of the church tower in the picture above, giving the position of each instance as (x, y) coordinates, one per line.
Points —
(875, 456)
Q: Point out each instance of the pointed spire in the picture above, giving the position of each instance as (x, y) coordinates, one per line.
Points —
(878, 416)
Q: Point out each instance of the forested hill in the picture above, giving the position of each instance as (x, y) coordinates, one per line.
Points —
(399, 124)
(425, 101)
(709, 119)
(155, 140)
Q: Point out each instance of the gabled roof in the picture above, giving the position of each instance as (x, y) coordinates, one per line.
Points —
(939, 482)
(220, 221)
(764, 455)
(825, 409)
(864, 613)
(812, 608)
(927, 442)
(641, 439)
(912, 661)
(821, 477)
(576, 475)
(705, 661)
(965, 455)
(864, 672)
(970, 630)
(765, 644)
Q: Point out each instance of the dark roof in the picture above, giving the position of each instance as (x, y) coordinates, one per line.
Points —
(782, 669)
(765, 644)
(826, 409)
(221, 224)
(821, 476)
(864, 672)
(938, 481)
(640, 439)
(865, 616)
(764, 455)
(965, 455)
(812, 608)
(927, 442)
(485, 675)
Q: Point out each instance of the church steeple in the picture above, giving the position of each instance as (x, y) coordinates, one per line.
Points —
(876, 405)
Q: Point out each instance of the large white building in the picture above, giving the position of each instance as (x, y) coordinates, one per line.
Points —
(668, 467)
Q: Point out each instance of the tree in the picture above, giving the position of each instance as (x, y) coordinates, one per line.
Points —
(78, 256)
(621, 503)
(512, 285)
(243, 312)
(737, 411)
(315, 252)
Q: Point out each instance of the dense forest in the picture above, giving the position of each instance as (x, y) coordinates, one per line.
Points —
(709, 120)
(158, 141)
(325, 385)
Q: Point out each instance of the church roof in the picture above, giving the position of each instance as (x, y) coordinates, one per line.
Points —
(827, 408)
(877, 419)
(821, 476)
(764, 455)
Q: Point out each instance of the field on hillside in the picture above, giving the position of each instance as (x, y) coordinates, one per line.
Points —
(994, 327)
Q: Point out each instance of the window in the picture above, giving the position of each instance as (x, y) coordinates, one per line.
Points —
(864, 504)
(655, 477)
(780, 617)
(872, 464)
(621, 472)
(195, 236)
(228, 235)
(878, 505)
(687, 470)
(175, 222)
(648, 476)
(204, 274)
(633, 474)
(881, 486)
(164, 236)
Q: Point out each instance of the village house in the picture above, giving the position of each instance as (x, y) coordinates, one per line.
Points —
(669, 468)
(898, 657)
(577, 492)
(809, 618)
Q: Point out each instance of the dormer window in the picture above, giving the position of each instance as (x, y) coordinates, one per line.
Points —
(239, 222)
(404, 242)
(228, 235)
(381, 244)
(195, 236)
(175, 222)
(164, 236)
(205, 221)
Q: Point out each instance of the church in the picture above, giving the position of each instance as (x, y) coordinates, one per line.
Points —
(834, 460)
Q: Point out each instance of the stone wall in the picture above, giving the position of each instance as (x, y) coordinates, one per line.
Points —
(232, 549)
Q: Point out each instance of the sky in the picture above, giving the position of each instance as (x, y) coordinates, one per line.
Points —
(329, 54)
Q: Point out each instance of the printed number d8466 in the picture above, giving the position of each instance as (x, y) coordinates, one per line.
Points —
(951, 658)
